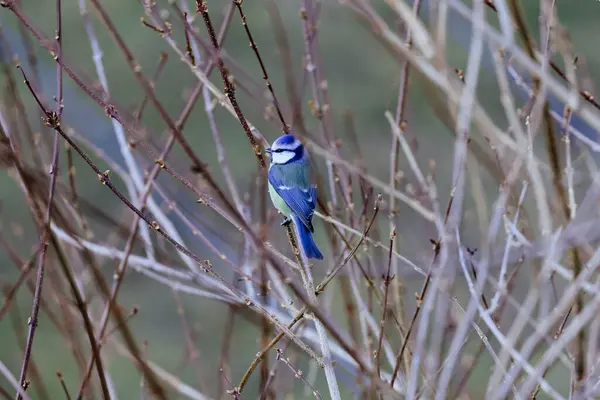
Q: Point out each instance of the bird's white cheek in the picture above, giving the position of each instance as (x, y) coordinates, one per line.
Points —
(283, 157)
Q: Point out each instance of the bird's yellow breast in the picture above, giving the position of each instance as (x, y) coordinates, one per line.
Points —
(278, 202)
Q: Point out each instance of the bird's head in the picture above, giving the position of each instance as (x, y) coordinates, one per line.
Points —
(286, 149)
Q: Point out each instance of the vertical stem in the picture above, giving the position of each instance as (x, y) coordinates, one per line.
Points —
(309, 286)
(44, 239)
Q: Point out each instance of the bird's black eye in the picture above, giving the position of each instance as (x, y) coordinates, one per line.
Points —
(278, 150)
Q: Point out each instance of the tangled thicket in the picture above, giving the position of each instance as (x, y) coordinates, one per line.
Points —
(498, 234)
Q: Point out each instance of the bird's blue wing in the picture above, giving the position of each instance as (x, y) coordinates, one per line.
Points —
(298, 195)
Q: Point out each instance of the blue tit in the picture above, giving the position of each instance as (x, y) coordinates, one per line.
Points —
(292, 191)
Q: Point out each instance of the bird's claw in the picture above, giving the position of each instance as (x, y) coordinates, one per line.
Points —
(286, 221)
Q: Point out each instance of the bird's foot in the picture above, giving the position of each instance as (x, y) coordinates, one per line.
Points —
(286, 221)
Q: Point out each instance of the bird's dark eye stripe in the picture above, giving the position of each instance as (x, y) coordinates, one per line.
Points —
(279, 150)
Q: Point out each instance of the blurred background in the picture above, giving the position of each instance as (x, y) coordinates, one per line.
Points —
(362, 79)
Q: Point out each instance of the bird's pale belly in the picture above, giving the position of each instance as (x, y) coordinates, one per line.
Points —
(278, 202)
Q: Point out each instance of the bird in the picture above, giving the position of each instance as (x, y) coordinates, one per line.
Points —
(292, 191)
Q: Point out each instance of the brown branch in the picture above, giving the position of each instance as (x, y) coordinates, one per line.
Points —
(36, 377)
(10, 294)
(52, 120)
(63, 385)
(283, 46)
(384, 306)
(238, 4)
(297, 373)
(202, 8)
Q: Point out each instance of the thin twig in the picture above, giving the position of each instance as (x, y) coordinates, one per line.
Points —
(386, 282)
(52, 120)
(202, 8)
(297, 373)
(437, 244)
(238, 5)
(10, 294)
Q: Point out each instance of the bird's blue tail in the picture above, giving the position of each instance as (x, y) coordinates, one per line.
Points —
(306, 241)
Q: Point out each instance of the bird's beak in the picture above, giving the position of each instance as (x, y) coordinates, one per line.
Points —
(268, 150)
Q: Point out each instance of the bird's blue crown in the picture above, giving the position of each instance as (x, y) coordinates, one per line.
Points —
(286, 149)
(287, 142)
